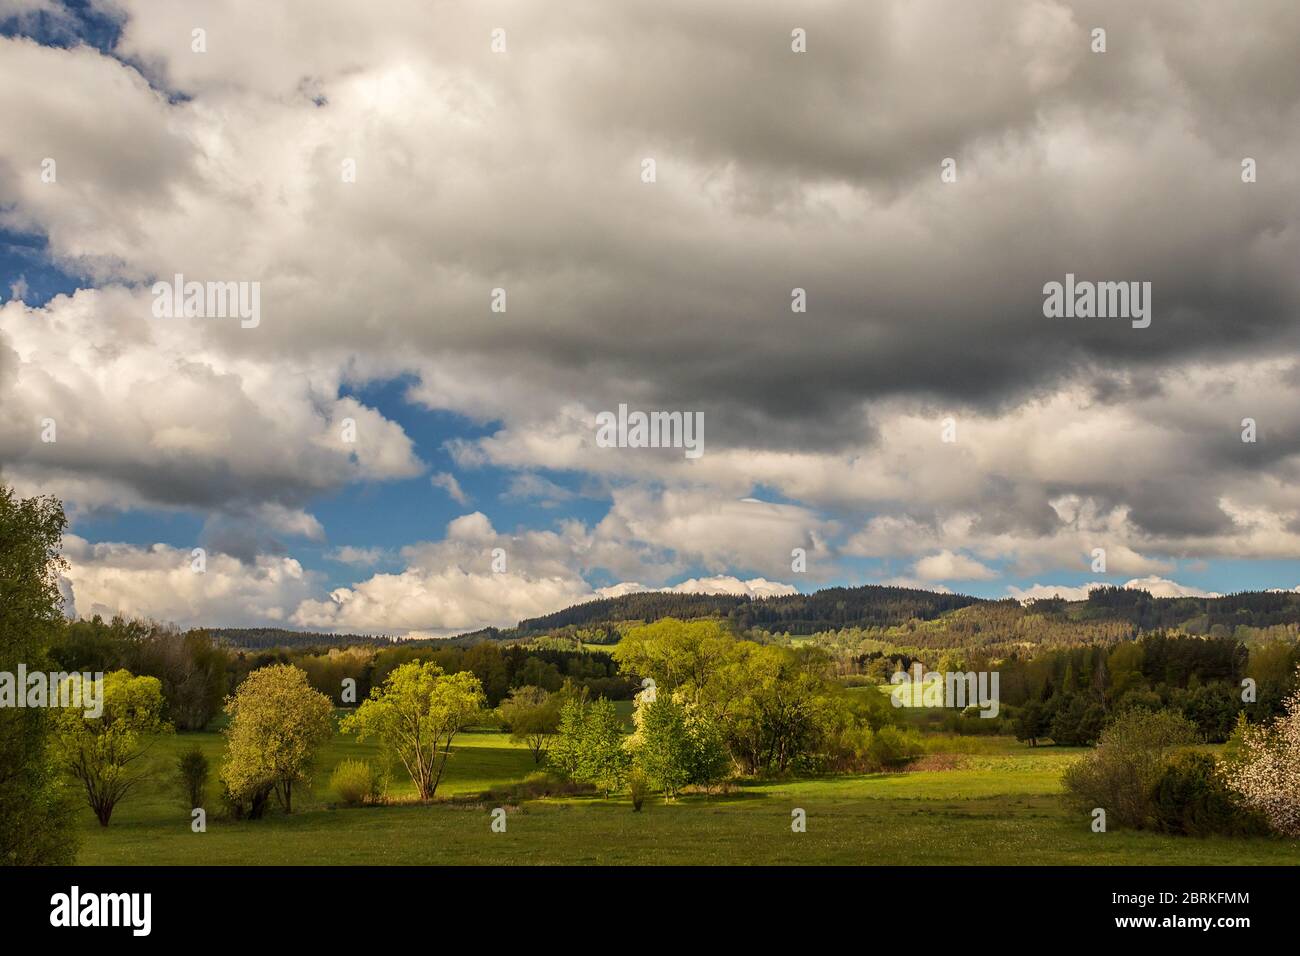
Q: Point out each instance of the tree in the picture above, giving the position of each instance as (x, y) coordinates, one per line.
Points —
(773, 705)
(277, 721)
(533, 717)
(1121, 774)
(1266, 772)
(1213, 708)
(485, 662)
(676, 654)
(104, 753)
(676, 746)
(1031, 723)
(590, 745)
(1078, 721)
(415, 714)
(36, 825)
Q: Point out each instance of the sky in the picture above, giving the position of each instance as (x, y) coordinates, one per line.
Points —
(826, 230)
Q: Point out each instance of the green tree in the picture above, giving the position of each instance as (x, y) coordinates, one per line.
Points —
(277, 722)
(678, 655)
(1078, 720)
(676, 746)
(415, 714)
(36, 824)
(533, 717)
(1031, 723)
(590, 746)
(104, 753)
(773, 705)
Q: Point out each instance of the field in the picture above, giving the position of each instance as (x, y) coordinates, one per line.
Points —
(995, 806)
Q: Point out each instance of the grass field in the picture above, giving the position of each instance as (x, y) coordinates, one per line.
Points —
(998, 806)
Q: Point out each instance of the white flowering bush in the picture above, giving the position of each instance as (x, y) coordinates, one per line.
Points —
(1266, 773)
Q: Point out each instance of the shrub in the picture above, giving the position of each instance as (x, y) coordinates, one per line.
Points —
(893, 747)
(536, 785)
(356, 782)
(192, 771)
(1266, 770)
(1191, 798)
(638, 787)
(1120, 775)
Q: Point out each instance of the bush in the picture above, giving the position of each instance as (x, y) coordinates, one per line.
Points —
(1265, 771)
(638, 787)
(1120, 775)
(893, 747)
(537, 785)
(356, 782)
(1191, 798)
(192, 771)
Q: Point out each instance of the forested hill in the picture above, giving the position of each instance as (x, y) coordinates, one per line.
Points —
(269, 638)
(826, 610)
(916, 617)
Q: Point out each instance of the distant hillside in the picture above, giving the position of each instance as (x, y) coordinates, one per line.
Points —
(825, 610)
(908, 617)
(267, 638)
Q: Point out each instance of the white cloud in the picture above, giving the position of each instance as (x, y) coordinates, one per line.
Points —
(719, 584)
(160, 583)
(1156, 586)
(950, 566)
(447, 481)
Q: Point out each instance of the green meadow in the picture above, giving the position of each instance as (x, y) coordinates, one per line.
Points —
(997, 803)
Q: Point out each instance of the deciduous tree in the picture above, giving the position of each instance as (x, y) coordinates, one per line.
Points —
(416, 714)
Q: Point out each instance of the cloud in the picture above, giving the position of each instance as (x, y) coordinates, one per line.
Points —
(719, 584)
(948, 566)
(448, 483)
(450, 586)
(349, 554)
(532, 487)
(1156, 586)
(924, 297)
(150, 414)
(161, 582)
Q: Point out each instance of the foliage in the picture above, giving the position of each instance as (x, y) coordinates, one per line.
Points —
(357, 782)
(1077, 721)
(192, 774)
(1266, 773)
(676, 745)
(1032, 723)
(681, 656)
(104, 753)
(637, 787)
(533, 717)
(416, 714)
(276, 724)
(1120, 775)
(589, 747)
(35, 812)
(1191, 798)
